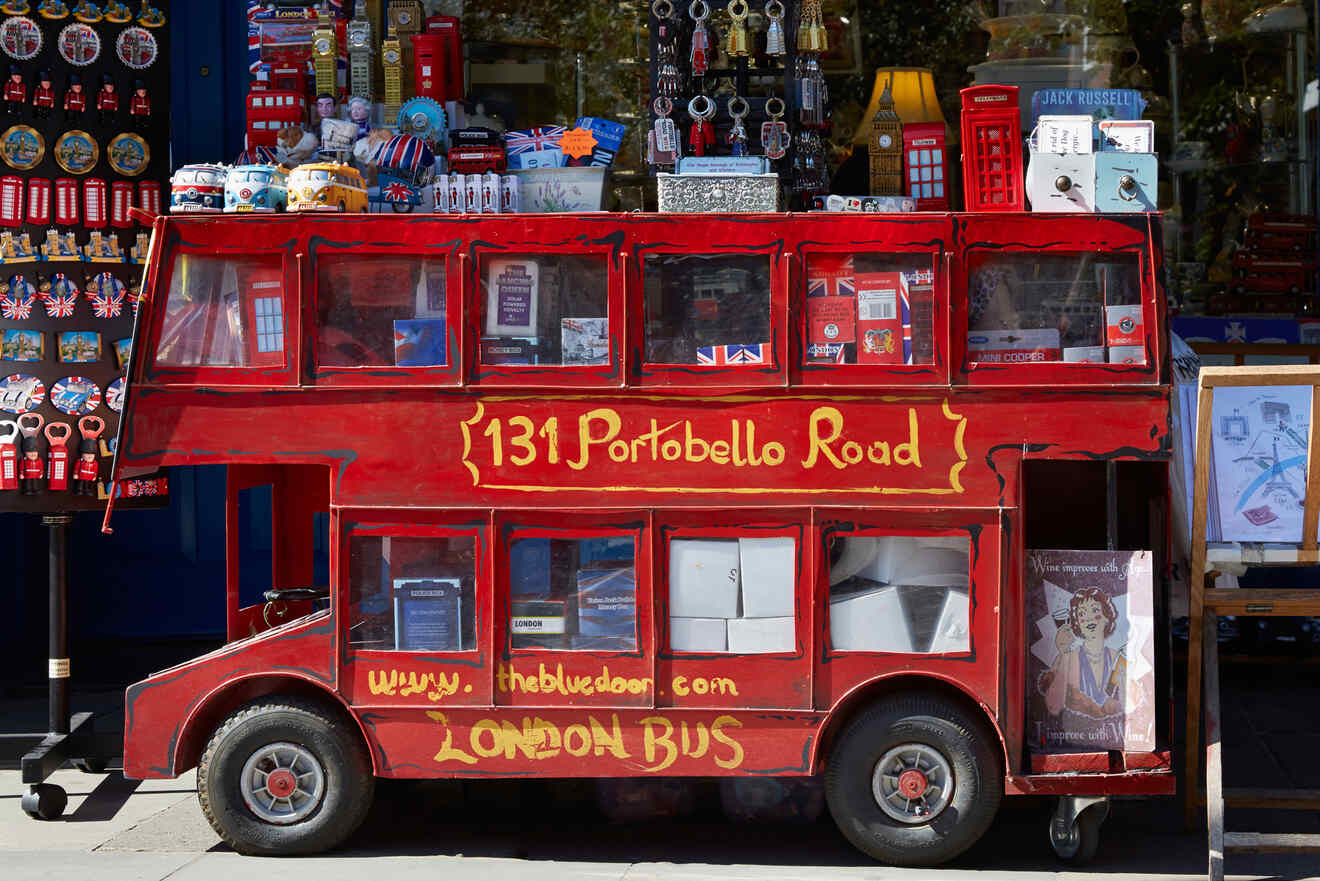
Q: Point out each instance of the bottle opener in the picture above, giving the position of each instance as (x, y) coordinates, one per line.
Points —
(57, 436)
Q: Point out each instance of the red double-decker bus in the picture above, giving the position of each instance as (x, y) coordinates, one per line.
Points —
(655, 495)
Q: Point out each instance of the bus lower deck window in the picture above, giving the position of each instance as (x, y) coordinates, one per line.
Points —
(575, 594)
(732, 595)
(411, 593)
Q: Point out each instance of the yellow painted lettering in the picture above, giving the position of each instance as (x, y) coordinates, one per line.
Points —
(680, 686)
(550, 431)
(447, 751)
(483, 727)
(671, 450)
(703, 741)
(523, 440)
(382, 681)
(515, 739)
(619, 450)
(691, 445)
(852, 452)
(735, 748)
(586, 439)
(719, 452)
(611, 741)
(548, 741)
(878, 453)
(909, 453)
(820, 444)
(583, 737)
(663, 739)
(773, 453)
(497, 444)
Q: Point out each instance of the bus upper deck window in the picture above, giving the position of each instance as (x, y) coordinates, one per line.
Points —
(380, 311)
(707, 309)
(224, 312)
(545, 309)
(870, 309)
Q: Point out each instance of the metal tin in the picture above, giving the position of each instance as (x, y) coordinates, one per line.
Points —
(510, 194)
(701, 193)
(490, 193)
(440, 187)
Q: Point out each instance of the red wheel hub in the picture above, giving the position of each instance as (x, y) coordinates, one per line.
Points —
(282, 783)
(912, 783)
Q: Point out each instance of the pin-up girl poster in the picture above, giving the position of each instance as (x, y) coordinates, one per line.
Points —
(1091, 672)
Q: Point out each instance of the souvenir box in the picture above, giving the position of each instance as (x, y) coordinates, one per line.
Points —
(696, 193)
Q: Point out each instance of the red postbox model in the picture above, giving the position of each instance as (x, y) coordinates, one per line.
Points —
(430, 66)
(447, 26)
(992, 149)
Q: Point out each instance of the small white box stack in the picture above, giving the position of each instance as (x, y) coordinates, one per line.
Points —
(732, 595)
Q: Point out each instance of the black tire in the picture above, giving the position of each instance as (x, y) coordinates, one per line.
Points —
(937, 723)
(1077, 846)
(348, 782)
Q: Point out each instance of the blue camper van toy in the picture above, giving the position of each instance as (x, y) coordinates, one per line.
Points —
(256, 188)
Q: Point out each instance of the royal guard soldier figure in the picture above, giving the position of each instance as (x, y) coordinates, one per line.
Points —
(15, 91)
(31, 469)
(139, 106)
(43, 96)
(75, 100)
(87, 471)
(107, 100)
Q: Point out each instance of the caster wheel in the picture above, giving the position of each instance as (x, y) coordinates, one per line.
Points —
(44, 801)
(90, 766)
(1076, 843)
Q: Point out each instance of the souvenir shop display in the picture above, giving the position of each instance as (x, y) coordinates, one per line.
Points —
(85, 98)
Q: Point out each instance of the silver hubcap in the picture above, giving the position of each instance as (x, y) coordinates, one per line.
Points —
(912, 783)
(282, 783)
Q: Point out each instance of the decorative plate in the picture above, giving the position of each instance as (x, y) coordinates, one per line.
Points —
(423, 117)
(77, 152)
(79, 44)
(20, 38)
(136, 47)
(21, 393)
(114, 395)
(22, 147)
(128, 154)
(75, 395)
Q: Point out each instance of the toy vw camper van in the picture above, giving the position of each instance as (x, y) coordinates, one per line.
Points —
(198, 188)
(327, 186)
(261, 188)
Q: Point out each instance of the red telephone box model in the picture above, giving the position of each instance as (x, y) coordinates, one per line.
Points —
(992, 149)
(534, 513)
(925, 165)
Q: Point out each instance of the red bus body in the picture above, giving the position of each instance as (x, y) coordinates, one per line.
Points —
(494, 453)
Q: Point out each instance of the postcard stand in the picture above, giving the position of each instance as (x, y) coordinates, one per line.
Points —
(1208, 603)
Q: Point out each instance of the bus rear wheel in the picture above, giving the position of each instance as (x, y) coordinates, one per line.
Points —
(914, 780)
(282, 777)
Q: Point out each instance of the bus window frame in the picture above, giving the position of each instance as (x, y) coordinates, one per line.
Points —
(771, 680)
(723, 237)
(976, 671)
(475, 667)
(238, 243)
(639, 663)
(386, 375)
(898, 236)
(525, 241)
(988, 233)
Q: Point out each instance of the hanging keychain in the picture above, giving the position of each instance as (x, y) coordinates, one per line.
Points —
(774, 132)
(700, 56)
(57, 436)
(31, 468)
(737, 136)
(811, 35)
(8, 454)
(738, 12)
(662, 141)
(774, 35)
(87, 471)
(668, 80)
(702, 111)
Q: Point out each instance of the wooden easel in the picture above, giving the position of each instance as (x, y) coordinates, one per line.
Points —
(1207, 603)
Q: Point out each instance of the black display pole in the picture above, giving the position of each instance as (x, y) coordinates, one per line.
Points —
(66, 737)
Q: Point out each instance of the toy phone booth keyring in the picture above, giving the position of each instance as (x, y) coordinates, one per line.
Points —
(32, 468)
(87, 471)
(992, 149)
(57, 439)
(8, 454)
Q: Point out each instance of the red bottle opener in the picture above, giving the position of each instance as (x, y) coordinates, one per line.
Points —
(31, 467)
(8, 454)
(57, 436)
(86, 472)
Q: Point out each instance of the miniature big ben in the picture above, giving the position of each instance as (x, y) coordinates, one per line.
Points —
(326, 55)
(885, 147)
(392, 58)
(359, 53)
(404, 18)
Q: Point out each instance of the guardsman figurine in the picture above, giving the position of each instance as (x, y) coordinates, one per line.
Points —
(139, 106)
(31, 468)
(86, 472)
(43, 96)
(75, 100)
(107, 100)
(15, 91)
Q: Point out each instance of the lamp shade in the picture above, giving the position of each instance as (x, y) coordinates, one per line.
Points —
(913, 92)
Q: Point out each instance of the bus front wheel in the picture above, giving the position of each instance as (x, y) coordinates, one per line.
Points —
(914, 780)
(281, 776)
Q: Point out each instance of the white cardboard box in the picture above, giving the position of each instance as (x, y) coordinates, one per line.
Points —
(931, 566)
(703, 578)
(872, 621)
(953, 632)
(698, 635)
(759, 635)
(768, 566)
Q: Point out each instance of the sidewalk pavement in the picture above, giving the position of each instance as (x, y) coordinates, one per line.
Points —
(122, 830)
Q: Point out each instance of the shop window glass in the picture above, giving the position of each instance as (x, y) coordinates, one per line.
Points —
(1032, 308)
(412, 594)
(710, 309)
(870, 309)
(380, 310)
(575, 594)
(543, 309)
(732, 595)
(223, 312)
(897, 593)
